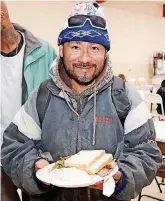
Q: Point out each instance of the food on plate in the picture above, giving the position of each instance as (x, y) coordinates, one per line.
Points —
(84, 159)
(99, 164)
(91, 161)
(86, 168)
(60, 163)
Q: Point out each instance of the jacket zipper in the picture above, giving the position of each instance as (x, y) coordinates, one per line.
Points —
(78, 118)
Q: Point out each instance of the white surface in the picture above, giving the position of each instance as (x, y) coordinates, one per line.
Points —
(132, 81)
(70, 177)
(142, 93)
(157, 79)
(160, 130)
(142, 81)
(155, 99)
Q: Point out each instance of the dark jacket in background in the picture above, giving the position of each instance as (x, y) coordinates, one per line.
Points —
(161, 92)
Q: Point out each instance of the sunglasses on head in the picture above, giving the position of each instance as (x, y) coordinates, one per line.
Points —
(80, 20)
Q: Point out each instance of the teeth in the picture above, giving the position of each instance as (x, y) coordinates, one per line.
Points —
(84, 70)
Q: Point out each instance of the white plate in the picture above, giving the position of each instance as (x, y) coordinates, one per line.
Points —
(70, 177)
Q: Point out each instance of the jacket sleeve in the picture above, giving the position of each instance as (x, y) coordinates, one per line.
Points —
(19, 149)
(139, 157)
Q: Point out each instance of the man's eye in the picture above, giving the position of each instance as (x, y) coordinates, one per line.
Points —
(94, 48)
(75, 48)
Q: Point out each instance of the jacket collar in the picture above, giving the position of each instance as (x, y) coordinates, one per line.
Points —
(31, 41)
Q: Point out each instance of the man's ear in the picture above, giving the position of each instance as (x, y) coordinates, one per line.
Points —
(61, 47)
(106, 54)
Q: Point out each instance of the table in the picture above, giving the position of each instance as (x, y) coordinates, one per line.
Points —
(160, 131)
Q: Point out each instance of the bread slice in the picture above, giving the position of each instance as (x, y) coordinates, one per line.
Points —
(99, 164)
(84, 159)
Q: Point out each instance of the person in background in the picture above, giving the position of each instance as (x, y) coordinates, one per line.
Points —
(25, 63)
(161, 92)
(83, 106)
(122, 76)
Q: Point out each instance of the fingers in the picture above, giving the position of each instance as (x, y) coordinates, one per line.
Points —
(111, 165)
(106, 170)
(98, 185)
(41, 164)
(117, 176)
(46, 183)
(103, 172)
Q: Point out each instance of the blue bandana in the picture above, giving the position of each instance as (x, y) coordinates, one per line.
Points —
(86, 32)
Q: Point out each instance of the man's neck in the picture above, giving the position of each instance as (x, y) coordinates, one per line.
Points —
(9, 39)
(80, 88)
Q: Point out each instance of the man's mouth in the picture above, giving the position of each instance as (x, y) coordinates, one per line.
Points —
(88, 67)
(84, 66)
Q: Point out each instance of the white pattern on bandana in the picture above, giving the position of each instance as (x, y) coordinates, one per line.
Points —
(86, 9)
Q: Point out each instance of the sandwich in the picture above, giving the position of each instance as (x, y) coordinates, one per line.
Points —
(91, 161)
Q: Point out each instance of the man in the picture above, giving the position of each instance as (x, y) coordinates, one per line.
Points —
(82, 107)
(25, 63)
(161, 92)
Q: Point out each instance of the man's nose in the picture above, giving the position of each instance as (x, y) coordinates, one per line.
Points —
(85, 57)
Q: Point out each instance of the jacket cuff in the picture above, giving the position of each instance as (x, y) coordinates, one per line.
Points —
(45, 155)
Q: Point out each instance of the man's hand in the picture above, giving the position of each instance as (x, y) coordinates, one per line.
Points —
(40, 164)
(104, 172)
(99, 185)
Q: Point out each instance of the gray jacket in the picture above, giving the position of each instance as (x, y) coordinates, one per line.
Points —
(70, 125)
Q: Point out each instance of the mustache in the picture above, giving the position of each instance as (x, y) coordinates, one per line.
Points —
(84, 65)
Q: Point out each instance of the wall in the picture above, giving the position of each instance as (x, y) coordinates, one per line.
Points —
(137, 29)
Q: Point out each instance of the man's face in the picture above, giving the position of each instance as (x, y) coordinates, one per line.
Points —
(83, 61)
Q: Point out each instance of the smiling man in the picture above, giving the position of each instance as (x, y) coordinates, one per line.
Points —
(82, 107)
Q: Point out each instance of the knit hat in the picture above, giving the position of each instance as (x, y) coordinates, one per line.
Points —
(87, 20)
